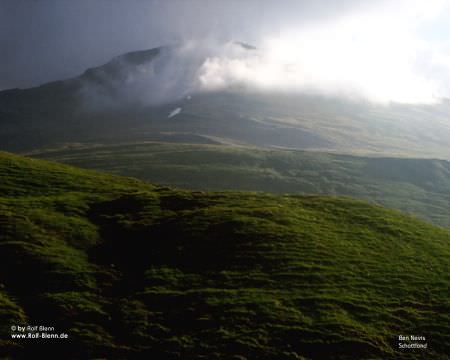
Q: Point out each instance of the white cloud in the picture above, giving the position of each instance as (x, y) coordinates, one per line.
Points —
(375, 53)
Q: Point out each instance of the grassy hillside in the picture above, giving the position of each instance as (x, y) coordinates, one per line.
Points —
(131, 270)
(417, 186)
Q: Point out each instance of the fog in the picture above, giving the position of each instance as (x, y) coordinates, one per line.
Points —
(374, 53)
(380, 50)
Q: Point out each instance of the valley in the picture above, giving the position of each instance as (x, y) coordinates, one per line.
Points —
(416, 186)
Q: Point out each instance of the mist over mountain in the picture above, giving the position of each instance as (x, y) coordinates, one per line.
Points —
(134, 96)
(157, 76)
(365, 89)
(48, 40)
(380, 50)
(279, 66)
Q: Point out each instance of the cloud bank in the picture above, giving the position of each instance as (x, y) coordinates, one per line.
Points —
(381, 50)
(374, 53)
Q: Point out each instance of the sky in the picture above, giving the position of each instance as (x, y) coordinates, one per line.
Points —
(381, 50)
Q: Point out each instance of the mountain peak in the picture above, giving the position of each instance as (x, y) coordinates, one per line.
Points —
(245, 45)
(116, 66)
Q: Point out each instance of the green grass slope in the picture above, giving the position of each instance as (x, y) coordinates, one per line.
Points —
(417, 186)
(130, 270)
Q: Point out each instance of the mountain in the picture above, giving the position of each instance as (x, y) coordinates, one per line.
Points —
(131, 270)
(131, 98)
(417, 186)
(59, 112)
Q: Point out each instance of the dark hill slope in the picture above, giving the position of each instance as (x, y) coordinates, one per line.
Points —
(131, 270)
(64, 110)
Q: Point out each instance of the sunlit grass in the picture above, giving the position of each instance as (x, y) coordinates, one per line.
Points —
(130, 269)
